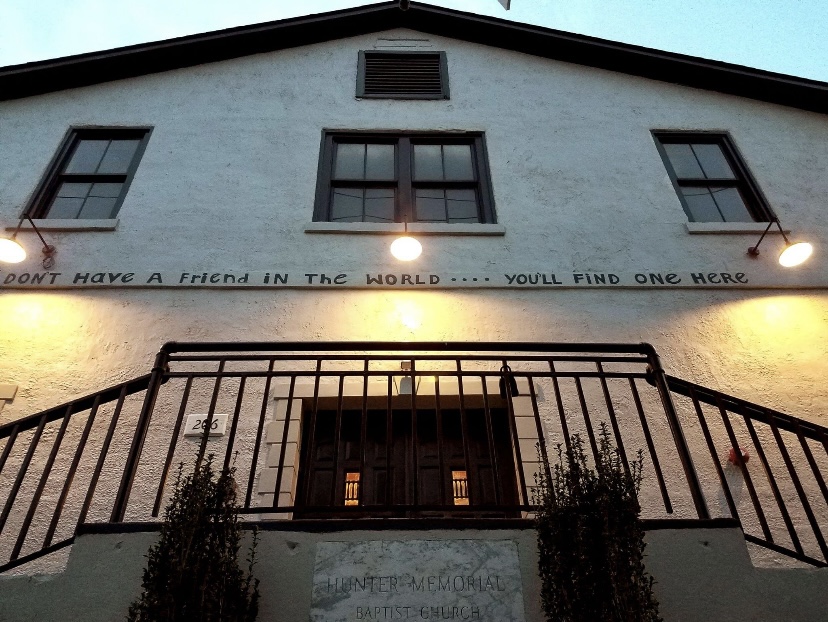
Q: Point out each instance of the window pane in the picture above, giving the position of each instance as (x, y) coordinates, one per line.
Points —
(684, 162)
(701, 205)
(731, 205)
(428, 162)
(379, 205)
(350, 161)
(347, 205)
(87, 156)
(713, 162)
(106, 190)
(65, 208)
(73, 190)
(430, 205)
(462, 206)
(458, 162)
(379, 162)
(118, 157)
(98, 207)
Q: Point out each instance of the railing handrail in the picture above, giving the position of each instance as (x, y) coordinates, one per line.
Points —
(750, 410)
(172, 347)
(80, 404)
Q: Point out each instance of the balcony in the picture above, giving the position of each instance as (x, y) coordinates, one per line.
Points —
(406, 435)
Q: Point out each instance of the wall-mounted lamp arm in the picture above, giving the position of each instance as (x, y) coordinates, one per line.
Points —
(753, 251)
(49, 251)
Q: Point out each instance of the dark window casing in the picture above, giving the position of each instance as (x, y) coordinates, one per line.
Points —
(402, 75)
(90, 174)
(404, 177)
(710, 177)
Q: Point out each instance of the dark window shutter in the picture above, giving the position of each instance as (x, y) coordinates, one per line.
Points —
(403, 75)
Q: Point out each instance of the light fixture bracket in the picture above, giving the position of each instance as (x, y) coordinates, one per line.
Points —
(49, 251)
(753, 251)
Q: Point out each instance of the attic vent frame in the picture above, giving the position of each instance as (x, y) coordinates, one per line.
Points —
(382, 75)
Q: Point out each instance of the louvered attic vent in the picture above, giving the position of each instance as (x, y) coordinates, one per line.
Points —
(403, 75)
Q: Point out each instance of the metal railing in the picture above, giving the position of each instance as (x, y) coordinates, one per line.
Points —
(763, 467)
(402, 420)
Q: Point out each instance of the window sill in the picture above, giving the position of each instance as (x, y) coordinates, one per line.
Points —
(424, 228)
(735, 228)
(69, 224)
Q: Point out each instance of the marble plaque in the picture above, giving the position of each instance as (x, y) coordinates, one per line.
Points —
(417, 580)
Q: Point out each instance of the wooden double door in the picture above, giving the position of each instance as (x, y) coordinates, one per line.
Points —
(399, 463)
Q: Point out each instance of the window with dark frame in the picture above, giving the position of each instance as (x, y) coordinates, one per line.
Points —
(711, 180)
(438, 178)
(90, 175)
(402, 75)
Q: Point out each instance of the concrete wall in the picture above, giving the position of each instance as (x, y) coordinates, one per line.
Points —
(227, 183)
(701, 575)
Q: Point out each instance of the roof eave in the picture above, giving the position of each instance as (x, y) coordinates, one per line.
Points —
(127, 62)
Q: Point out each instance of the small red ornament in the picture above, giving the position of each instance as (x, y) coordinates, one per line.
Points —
(732, 459)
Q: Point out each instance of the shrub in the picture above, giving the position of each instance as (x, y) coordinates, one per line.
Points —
(193, 571)
(590, 540)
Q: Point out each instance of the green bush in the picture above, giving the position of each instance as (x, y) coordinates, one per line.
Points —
(590, 540)
(193, 572)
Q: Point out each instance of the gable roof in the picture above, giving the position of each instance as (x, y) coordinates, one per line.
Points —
(36, 78)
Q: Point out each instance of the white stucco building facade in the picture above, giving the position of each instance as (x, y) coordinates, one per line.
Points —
(227, 184)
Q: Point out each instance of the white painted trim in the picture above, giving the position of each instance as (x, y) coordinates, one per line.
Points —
(68, 224)
(733, 228)
(421, 228)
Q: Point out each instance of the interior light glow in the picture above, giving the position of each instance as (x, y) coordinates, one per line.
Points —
(11, 251)
(795, 254)
(406, 248)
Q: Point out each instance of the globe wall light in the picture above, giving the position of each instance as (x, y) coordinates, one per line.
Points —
(406, 248)
(792, 255)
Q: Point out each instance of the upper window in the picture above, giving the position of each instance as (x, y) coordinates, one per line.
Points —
(402, 75)
(90, 174)
(440, 178)
(711, 180)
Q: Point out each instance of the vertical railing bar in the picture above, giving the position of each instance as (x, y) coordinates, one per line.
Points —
(259, 431)
(363, 435)
(800, 491)
(234, 426)
(9, 444)
(312, 430)
(515, 440)
(389, 432)
(211, 411)
(668, 506)
(587, 420)
(777, 495)
(464, 430)
(21, 473)
(93, 482)
(561, 411)
(613, 419)
(138, 438)
(490, 439)
(734, 512)
(438, 411)
(165, 473)
(660, 377)
(734, 442)
(70, 476)
(283, 450)
(47, 471)
(811, 460)
(541, 436)
(415, 451)
(337, 440)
